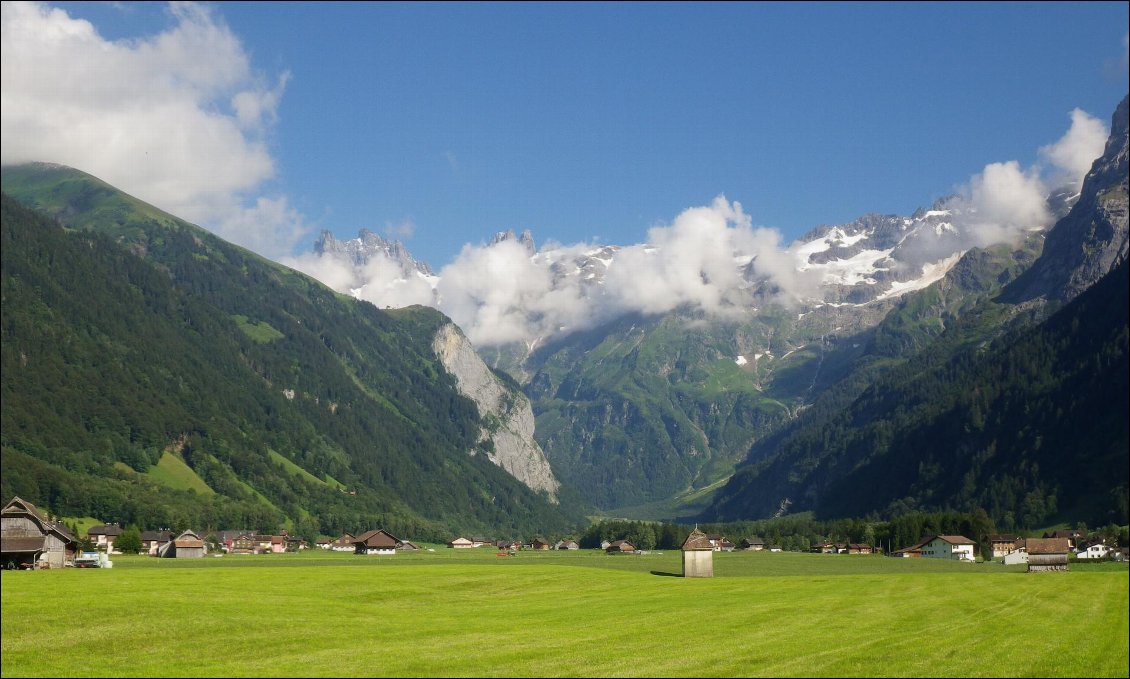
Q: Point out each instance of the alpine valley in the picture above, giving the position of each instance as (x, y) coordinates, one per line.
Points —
(888, 365)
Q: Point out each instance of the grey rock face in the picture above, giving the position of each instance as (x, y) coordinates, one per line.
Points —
(508, 417)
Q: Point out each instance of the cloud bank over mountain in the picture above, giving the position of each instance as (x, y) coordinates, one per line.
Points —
(710, 259)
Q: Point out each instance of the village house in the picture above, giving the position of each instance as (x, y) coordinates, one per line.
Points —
(856, 548)
(955, 547)
(151, 540)
(566, 544)
(377, 541)
(28, 539)
(1003, 544)
(324, 543)
(461, 543)
(345, 543)
(1095, 548)
(621, 547)
(719, 543)
(508, 545)
(1073, 536)
(1047, 554)
(698, 555)
(539, 545)
(187, 545)
(102, 537)
(753, 544)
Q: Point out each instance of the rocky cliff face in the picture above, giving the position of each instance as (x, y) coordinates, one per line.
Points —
(506, 412)
(1092, 239)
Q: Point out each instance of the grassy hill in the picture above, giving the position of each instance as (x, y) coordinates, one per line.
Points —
(128, 332)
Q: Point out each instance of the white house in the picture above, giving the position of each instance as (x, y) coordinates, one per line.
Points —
(1093, 550)
(1017, 556)
(947, 547)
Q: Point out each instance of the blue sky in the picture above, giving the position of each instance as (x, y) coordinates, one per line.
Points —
(440, 124)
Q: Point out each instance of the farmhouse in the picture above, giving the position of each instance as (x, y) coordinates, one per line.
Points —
(1072, 535)
(187, 545)
(698, 555)
(621, 547)
(1003, 544)
(151, 540)
(103, 536)
(345, 543)
(566, 544)
(856, 548)
(1093, 549)
(947, 547)
(377, 541)
(508, 545)
(539, 545)
(753, 544)
(1047, 554)
(29, 539)
(461, 543)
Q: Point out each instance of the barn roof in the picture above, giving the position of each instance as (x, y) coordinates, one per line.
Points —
(21, 545)
(1048, 546)
(377, 538)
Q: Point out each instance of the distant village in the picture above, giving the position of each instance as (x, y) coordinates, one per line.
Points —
(30, 540)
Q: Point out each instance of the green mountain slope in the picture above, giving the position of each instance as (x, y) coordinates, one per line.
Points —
(130, 336)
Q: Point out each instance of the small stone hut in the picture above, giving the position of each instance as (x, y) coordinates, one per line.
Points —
(698, 556)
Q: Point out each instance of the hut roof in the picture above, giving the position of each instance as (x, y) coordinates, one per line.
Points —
(1048, 546)
(697, 540)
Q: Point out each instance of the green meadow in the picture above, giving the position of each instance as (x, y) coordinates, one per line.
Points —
(472, 613)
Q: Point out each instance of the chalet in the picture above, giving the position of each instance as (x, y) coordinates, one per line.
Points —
(955, 547)
(1073, 536)
(1003, 544)
(508, 545)
(244, 543)
(826, 548)
(151, 540)
(912, 552)
(28, 539)
(753, 544)
(187, 545)
(1047, 554)
(621, 547)
(102, 537)
(1095, 548)
(566, 544)
(377, 541)
(698, 555)
(539, 545)
(461, 543)
(857, 548)
(345, 543)
(719, 543)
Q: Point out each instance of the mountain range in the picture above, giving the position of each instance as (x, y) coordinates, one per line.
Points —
(887, 364)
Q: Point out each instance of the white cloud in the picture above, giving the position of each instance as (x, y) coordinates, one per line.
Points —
(177, 119)
(1075, 152)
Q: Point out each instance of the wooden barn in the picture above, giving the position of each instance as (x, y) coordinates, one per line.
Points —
(698, 555)
(1047, 554)
(29, 540)
(187, 545)
(377, 541)
(620, 547)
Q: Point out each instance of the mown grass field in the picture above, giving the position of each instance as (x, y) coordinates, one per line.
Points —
(470, 613)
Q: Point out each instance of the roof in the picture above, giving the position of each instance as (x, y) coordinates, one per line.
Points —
(377, 539)
(753, 541)
(21, 545)
(17, 507)
(108, 529)
(1048, 546)
(697, 541)
(1003, 538)
(159, 535)
(952, 539)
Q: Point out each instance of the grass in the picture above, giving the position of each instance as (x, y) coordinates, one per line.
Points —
(171, 471)
(470, 613)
